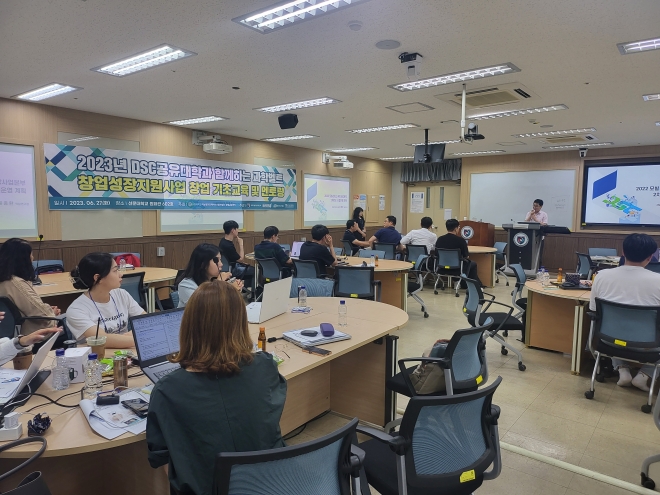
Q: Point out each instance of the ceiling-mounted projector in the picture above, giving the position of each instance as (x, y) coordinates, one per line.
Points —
(212, 143)
(343, 164)
(217, 148)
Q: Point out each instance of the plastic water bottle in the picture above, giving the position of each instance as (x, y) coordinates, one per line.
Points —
(93, 379)
(61, 371)
(343, 313)
(539, 275)
(122, 264)
(546, 278)
(302, 296)
(373, 260)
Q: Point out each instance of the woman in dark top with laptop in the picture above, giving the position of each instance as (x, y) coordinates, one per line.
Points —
(225, 398)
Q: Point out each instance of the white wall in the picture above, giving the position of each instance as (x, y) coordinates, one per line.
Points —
(397, 193)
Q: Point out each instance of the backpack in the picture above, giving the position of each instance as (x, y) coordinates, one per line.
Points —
(429, 378)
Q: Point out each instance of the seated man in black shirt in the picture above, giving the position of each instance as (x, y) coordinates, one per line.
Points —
(453, 240)
(319, 249)
(351, 235)
(269, 248)
(228, 250)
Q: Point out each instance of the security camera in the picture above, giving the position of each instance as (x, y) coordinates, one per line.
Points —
(412, 62)
(583, 152)
(473, 133)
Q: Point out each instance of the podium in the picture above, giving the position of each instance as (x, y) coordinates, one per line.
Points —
(478, 233)
(525, 245)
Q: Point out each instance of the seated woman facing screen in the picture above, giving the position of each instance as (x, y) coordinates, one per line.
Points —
(16, 276)
(225, 398)
(103, 305)
(204, 265)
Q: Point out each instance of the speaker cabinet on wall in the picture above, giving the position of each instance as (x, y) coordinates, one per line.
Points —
(288, 120)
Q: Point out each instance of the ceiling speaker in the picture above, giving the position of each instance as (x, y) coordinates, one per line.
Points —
(288, 120)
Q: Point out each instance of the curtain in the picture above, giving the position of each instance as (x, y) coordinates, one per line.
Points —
(425, 172)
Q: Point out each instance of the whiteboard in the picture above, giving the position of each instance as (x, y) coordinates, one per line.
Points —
(501, 197)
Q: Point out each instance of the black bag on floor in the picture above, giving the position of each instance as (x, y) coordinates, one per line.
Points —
(33, 484)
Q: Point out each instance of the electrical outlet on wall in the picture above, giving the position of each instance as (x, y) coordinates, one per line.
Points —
(160, 251)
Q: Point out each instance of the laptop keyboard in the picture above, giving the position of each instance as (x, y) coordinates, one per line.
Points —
(162, 373)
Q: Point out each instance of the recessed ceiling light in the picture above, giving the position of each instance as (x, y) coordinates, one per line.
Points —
(511, 143)
(397, 158)
(198, 120)
(388, 44)
(513, 113)
(651, 97)
(289, 138)
(555, 133)
(411, 107)
(316, 102)
(48, 91)
(84, 138)
(145, 60)
(383, 128)
(468, 153)
(639, 46)
(658, 124)
(573, 146)
(346, 150)
(286, 13)
(546, 126)
(467, 75)
(450, 141)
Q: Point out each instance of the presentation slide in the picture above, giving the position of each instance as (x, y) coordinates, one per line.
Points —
(622, 194)
(17, 191)
(327, 200)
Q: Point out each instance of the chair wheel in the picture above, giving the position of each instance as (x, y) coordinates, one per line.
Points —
(589, 394)
(647, 482)
(646, 408)
(505, 333)
(522, 367)
(507, 284)
(426, 315)
(504, 351)
(435, 292)
(457, 294)
(497, 282)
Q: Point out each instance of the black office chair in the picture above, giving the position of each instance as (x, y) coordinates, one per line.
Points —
(133, 283)
(444, 446)
(415, 286)
(414, 251)
(226, 265)
(348, 248)
(387, 248)
(475, 311)
(654, 267)
(356, 282)
(270, 270)
(585, 266)
(326, 465)
(501, 262)
(448, 263)
(10, 326)
(517, 301)
(316, 287)
(338, 251)
(627, 332)
(48, 266)
(306, 269)
(172, 300)
(368, 253)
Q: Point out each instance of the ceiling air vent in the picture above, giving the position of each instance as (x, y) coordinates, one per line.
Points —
(569, 139)
(502, 94)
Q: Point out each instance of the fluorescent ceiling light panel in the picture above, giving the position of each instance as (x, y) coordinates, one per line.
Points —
(146, 60)
(651, 97)
(468, 153)
(451, 141)
(347, 150)
(289, 138)
(513, 113)
(639, 46)
(575, 146)
(48, 91)
(84, 138)
(398, 158)
(316, 102)
(467, 75)
(586, 130)
(383, 128)
(658, 124)
(199, 120)
(284, 14)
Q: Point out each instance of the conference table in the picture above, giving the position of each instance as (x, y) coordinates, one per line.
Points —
(350, 382)
(59, 284)
(556, 320)
(484, 257)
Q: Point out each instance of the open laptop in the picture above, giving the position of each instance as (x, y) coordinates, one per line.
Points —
(295, 249)
(32, 371)
(156, 336)
(274, 302)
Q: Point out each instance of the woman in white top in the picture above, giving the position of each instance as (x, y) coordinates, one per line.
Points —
(204, 265)
(104, 305)
(10, 347)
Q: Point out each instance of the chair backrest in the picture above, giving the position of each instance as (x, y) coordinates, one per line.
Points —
(316, 467)
(178, 278)
(473, 297)
(355, 281)
(627, 326)
(387, 248)
(602, 252)
(306, 268)
(348, 248)
(501, 250)
(226, 266)
(448, 259)
(270, 269)
(13, 318)
(286, 247)
(338, 251)
(521, 278)
(316, 287)
(415, 251)
(133, 283)
(418, 264)
(48, 266)
(368, 253)
(584, 265)
(468, 364)
(452, 440)
(654, 267)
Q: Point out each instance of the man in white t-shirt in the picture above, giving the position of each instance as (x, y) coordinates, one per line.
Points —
(422, 237)
(536, 215)
(632, 284)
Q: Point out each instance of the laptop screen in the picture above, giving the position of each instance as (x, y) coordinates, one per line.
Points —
(157, 334)
(295, 249)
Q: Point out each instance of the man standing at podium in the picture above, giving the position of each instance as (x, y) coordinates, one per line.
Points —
(536, 215)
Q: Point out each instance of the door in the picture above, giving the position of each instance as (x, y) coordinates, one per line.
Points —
(431, 200)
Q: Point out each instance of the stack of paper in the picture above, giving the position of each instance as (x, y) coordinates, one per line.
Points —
(9, 382)
(296, 337)
(115, 420)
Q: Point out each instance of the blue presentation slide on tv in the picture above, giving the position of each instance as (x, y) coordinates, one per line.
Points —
(627, 194)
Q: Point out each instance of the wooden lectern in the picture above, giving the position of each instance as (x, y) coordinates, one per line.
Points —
(478, 233)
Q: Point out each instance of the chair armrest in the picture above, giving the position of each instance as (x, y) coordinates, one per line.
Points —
(593, 315)
(492, 297)
(357, 457)
(444, 362)
(494, 414)
(398, 444)
(511, 308)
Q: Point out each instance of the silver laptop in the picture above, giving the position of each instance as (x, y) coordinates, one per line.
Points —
(32, 371)
(274, 302)
(156, 336)
(295, 249)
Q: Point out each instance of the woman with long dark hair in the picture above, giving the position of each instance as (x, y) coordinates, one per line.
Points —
(358, 215)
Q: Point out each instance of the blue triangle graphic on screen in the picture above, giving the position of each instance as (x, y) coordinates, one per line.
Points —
(312, 191)
(604, 185)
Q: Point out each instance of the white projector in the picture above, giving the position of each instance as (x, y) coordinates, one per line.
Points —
(217, 148)
(343, 164)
